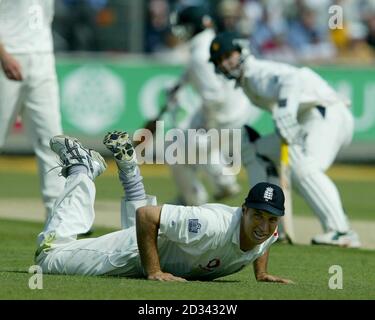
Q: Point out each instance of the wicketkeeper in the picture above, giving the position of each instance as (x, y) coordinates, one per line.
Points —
(308, 114)
(167, 243)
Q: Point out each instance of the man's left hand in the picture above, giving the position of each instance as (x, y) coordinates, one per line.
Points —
(288, 127)
(265, 277)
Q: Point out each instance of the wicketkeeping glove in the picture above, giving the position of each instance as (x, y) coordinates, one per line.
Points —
(288, 127)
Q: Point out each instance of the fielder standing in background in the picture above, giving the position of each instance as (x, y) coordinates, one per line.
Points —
(222, 106)
(309, 115)
(28, 83)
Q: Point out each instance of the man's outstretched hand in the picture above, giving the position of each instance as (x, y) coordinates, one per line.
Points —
(164, 276)
(265, 277)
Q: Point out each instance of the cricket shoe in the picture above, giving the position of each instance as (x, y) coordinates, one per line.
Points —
(71, 152)
(348, 239)
(119, 143)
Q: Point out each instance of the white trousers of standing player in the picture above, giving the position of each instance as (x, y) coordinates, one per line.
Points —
(326, 136)
(36, 99)
(190, 188)
(115, 253)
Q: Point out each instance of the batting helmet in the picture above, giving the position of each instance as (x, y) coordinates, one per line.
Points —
(189, 21)
(223, 44)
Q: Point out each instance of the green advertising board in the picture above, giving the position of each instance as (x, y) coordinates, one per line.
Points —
(102, 95)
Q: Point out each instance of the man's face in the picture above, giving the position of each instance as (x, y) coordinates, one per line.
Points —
(230, 63)
(258, 225)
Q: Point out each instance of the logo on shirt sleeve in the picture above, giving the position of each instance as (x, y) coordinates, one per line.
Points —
(194, 225)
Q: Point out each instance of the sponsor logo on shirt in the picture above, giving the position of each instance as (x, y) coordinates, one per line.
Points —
(211, 265)
(194, 225)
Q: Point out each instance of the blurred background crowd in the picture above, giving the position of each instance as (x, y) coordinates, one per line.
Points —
(285, 30)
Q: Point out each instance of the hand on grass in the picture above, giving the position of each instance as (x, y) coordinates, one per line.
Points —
(164, 276)
(265, 277)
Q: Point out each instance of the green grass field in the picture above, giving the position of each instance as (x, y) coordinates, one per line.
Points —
(306, 265)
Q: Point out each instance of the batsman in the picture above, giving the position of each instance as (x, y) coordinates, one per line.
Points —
(309, 116)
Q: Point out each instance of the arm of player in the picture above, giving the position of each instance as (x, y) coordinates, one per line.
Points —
(289, 92)
(285, 112)
(147, 225)
(172, 91)
(261, 274)
(211, 89)
(10, 65)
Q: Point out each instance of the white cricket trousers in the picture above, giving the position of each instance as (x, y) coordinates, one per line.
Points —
(190, 188)
(326, 136)
(59, 250)
(36, 99)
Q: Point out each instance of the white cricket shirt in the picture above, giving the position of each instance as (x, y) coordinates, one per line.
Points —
(203, 242)
(224, 106)
(25, 26)
(266, 82)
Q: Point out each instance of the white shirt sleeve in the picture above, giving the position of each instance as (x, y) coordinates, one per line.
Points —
(189, 225)
(289, 92)
(275, 82)
(209, 86)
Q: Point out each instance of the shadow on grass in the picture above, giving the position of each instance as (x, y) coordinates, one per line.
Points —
(16, 271)
(189, 280)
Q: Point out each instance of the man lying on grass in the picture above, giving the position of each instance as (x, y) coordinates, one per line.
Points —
(165, 243)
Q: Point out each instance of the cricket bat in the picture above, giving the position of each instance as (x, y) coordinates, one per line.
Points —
(287, 228)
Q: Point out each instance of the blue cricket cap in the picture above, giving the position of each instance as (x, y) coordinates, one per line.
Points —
(267, 197)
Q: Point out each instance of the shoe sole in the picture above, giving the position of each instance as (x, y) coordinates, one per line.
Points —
(119, 146)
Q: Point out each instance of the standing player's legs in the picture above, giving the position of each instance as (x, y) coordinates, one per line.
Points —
(191, 190)
(224, 185)
(260, 155)
(11, 96)
(120, 145)
(42, 120)
(210, 160)
(327, 133)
